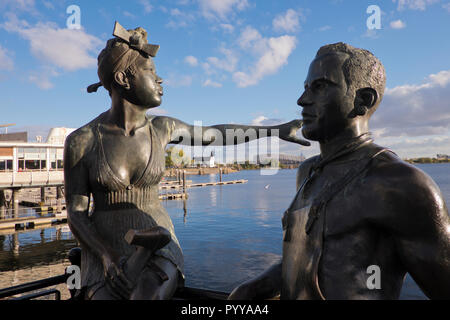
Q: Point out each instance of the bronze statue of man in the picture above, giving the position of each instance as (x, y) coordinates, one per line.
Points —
(129, 246)
(361, 215)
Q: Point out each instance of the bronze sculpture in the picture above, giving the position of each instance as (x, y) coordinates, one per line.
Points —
(359, 209)
(129, 247)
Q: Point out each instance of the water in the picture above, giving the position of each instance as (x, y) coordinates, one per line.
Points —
(228, 233)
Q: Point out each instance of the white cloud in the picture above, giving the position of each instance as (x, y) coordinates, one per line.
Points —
(220, 9)
(180, 19)
(273, 54)
(250, 38)
(254, 57)
(228, 28)
(446, 6)
(19, 5)
(265, 121)
(129, 14)
(68, 49)
(397, 24)
(6, 62)
(42, 78)
(228, 63)
(146, 5)
(426, 146)
(258, 121)
(414, 4)
(191, 60)
(178, 80)
(287, 22)
(175, 12)
(210, 83)
(416, 110)
(325, 28)
(48, 4)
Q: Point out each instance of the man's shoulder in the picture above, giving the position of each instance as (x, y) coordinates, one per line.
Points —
(388, 169)
(402, 184)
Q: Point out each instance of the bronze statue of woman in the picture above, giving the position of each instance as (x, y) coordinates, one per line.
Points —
(119, 159)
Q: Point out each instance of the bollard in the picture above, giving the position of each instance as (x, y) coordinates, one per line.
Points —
(58, 200)
(2, 204)
(42, 195)
(220, 170)
(184, 182)
(15, 201)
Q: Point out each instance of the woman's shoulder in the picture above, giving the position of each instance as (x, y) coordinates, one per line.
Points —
(82, 139)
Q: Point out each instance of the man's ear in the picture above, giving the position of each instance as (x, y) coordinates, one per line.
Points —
(121, 80)
(365, 99)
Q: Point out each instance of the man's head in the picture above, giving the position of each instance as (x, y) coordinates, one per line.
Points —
(343, 88)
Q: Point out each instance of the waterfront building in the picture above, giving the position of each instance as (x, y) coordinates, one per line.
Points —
(21, 161)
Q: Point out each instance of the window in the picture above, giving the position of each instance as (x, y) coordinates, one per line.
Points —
(32, 164)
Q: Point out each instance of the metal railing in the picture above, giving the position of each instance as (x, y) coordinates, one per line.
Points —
(35, 285)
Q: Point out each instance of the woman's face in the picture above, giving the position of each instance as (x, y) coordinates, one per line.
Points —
(145, 85)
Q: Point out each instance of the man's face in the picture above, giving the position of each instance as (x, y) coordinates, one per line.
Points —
(326, 103)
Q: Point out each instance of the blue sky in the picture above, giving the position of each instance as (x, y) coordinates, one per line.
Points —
(229, 61)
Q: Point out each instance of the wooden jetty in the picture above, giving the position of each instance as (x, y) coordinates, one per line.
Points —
(6, 225)
(57, 214)
(205, 184)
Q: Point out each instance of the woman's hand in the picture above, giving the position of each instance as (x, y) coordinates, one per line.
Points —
(288, 132)
(115, 276)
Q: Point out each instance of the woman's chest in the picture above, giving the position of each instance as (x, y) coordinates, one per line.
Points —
(125, 157)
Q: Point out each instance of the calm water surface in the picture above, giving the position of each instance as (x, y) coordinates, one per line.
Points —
(228, 233)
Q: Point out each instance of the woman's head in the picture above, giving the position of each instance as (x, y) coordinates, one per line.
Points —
(125, 64)
(118, 56)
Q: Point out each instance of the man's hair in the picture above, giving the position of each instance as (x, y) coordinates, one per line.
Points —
(361, 69)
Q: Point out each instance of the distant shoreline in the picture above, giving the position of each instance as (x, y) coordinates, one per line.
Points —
(426, 160)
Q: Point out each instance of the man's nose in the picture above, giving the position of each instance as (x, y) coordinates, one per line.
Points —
(159, 80)
(304, 100)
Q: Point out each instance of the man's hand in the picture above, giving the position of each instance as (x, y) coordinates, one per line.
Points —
(289, 130)
(242, 292)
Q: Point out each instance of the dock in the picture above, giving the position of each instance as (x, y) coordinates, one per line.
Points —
(205, 184)
(25, 223)
(53, 211)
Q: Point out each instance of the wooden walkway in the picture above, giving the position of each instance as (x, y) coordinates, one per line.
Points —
(40, 222)
(32, 222)
(205, 184)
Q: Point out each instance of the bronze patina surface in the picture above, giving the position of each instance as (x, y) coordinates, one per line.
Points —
(119, 159)
(358, 206)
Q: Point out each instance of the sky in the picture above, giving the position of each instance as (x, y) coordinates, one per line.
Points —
(229, 61)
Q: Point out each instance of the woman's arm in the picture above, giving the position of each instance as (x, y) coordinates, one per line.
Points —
(178, 132)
